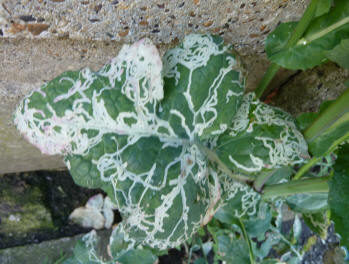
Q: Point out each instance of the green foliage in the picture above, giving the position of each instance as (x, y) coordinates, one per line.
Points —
(230, 249)
(323, 34)
(330, 128)
(86, 252)
(338, 198)
(175, 142)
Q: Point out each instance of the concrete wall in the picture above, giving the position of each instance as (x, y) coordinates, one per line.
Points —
(40, 39)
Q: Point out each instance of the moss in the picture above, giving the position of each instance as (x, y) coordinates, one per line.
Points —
(22, 209)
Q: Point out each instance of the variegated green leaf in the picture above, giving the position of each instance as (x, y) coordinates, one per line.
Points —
(147, 140)
(261, 137)
(121, 131)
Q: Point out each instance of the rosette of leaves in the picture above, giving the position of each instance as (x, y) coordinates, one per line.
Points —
(147, 131)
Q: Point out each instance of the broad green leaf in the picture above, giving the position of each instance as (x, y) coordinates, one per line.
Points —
(340, 54)
(261, 137)
(318, 222)
(308, 203)
(124, 130)
(140, 132)
(323, 34)
(338, 197)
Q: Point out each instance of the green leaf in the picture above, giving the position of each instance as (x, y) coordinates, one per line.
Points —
(318, 222)
(231, 249)
(257, 225)
(338, 198)
(323, 34)
(140, 132)
(340, 54)
(304, 120)
(261, 137)
(308, 203)
(323, 7)
(124, 130)
(86, 252)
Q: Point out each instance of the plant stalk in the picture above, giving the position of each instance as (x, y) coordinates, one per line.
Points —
(261, 180)
(313, 185)
(248, 241)
(328, 117)
(306, 167)
(324, 31)
(213, 157)
(295, 36)
(267, 78)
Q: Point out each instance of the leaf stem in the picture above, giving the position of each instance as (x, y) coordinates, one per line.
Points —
(307, 40)
(261, 179)
(248, 241)
(267, 78)
(213, 157)
(332, 113)
(306, 167)
(295, 36)
(313, 185)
